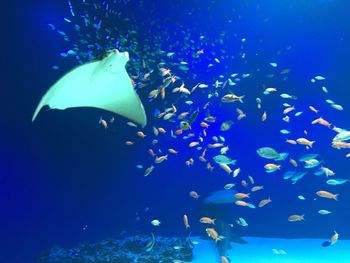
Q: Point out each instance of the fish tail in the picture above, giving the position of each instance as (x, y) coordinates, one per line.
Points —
(241, 99)
(336, 197)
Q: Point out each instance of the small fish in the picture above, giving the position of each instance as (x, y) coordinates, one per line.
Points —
(207, 220)
(103, 123)
(284, 131)
(337, 107)
(225, 167)
(313, 109)
(186, 221)
(242, 195)
(213, 234)
(236, 172)
(257, 188)
(228, 186)
(270, 167)
(194, 194)
(242, 203)
(319, 78)
(129, 143)
(141, 134)
(264, 202)
(264, 116)
(155, 222)
(324, 212)
(241, 221)
(291, 141)
(161, 130)
(337, 181)
(301, 197)
(335, 237)
(149, 170)
(193, 144)
(289, 109)
(295, 218)
(305, 142)
(287, 96)
(172, 151)
(328, 195)
(241, 114)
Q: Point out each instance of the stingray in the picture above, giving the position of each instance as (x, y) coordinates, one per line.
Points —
(103, 84)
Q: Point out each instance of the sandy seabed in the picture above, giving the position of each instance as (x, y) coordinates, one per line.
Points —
(260, 250)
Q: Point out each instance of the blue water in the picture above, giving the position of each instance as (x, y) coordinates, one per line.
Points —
(64, 179)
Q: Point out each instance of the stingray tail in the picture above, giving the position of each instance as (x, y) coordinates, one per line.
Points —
(42, 103)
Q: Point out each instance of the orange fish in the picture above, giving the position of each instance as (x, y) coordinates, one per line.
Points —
(287, 110)
(213, 234)
(178, 132)
(271, 166)
(204, 124)
(305, 142)
(328, 195)
(161, 130)
(322, 122)
(340, 145)
(242, 203)
(186, 222)
(242, 195)
(207, 220)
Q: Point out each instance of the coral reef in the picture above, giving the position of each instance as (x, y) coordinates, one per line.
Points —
(140, 249)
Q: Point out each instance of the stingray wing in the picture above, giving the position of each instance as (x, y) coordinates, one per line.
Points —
(102, 84)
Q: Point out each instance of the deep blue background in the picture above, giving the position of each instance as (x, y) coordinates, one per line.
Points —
(64, 172)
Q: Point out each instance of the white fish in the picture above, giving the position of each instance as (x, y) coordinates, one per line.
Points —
(229, 186)
(273, 64)
(236, 172)
(286, 119)
(324, 212)
(337, 107)
(325, 90)
(155, 222)
(241, 221)
(300, 197)
(319, 78)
